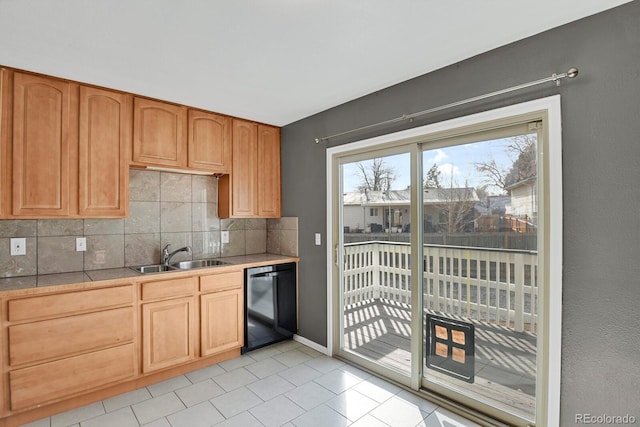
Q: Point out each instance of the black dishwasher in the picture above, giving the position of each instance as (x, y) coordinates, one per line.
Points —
(270, 305)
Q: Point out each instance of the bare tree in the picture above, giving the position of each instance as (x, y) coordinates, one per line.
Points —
(493, 174)
(522, 150)
(375, 175)
(459, 206)
(525, 165)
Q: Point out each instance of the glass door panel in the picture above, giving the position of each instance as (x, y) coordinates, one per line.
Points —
(480, 281)
(375, 296)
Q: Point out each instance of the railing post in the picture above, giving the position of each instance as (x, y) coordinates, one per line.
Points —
(519, 293)
(437, 275)
(375, 267)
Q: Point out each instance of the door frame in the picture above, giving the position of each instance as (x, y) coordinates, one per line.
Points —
(549, 360)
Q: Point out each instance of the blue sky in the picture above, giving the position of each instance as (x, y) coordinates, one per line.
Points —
(455, 163)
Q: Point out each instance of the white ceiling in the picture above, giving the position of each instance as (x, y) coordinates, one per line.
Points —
(273, 61)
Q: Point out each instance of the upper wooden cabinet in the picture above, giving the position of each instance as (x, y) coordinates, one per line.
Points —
(5, 135)
(65, 153)
(104, 141)
(65, 150)
(44, 146)
(238, 192)
(209, 141)
(269, 182)
(159, 133)
(252, 189)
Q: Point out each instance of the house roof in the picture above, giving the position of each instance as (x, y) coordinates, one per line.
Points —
(403, 197)
(527, 181)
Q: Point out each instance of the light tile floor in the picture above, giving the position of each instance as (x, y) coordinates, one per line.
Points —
(285, 384)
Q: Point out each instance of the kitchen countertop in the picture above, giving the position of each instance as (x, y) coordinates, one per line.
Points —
(40, 281)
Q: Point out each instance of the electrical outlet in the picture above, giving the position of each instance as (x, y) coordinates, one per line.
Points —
(224, 235)
(318, 239)
(81, 244)
(18, 246)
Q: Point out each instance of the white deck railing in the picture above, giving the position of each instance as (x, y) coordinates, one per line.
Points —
(492, 285)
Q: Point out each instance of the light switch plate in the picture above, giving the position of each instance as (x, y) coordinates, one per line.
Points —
(81, 244)
(18, 246)
(224, 235)
(318, 239)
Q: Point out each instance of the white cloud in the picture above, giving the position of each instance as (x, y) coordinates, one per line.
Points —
(448, 169)
(438, 157)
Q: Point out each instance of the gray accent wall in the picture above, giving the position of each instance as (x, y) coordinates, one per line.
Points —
(601, 172)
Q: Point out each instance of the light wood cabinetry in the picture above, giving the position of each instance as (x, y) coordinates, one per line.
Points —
(168, 325)
(221, 312)
(104, 141)
(269, 182)
(238, 191)
(159, 133)
(209, 141)
(5, 135)
(66, 154)
(75, 344)
(252, 189)
(63, 344)
(65, 150)
(44, 146)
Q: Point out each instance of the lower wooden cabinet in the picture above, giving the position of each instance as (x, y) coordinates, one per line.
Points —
(221, 312)
(51, 339)
(168, 333)
(67, 345)
(64, 344)
(221, 321)
(51, 381)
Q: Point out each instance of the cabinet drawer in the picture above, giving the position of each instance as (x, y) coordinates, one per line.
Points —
(52, 339)
(58, 305)
(222, 281)
(169, 288)
(51, 381)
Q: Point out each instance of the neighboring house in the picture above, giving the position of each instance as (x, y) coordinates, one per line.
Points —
(444, 209)
(524, 200)
(374, 211)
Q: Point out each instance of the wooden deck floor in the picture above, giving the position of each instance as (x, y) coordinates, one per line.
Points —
(505, 362)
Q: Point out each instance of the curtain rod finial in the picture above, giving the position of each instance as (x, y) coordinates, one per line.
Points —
(573, 72)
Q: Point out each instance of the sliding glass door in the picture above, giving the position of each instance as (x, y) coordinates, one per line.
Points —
(441, 265)
(375, 297)
(480, 281)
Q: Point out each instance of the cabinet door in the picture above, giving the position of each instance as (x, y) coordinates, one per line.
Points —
(244, 177)
(5, 135)
(168, 333)
(269, 191)
(221, 321)
(44, 147)
(159, 133)
(209, 141)
(104, 141)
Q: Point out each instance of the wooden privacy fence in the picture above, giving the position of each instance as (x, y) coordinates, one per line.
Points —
(493, 285)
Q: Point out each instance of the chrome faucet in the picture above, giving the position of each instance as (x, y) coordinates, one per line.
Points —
(166, 256)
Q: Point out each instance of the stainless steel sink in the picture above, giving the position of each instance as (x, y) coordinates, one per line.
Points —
(155, 268)
(198, 263)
